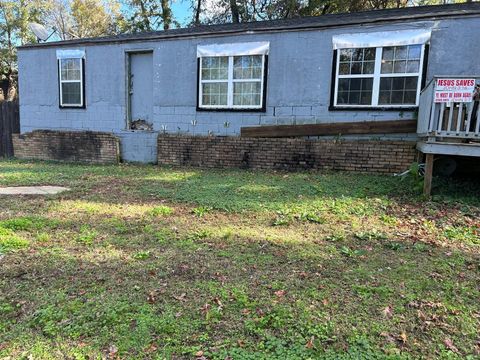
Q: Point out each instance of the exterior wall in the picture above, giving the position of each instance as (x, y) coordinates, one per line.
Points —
(138, 146)
(370, 156)
(298, 92)
(91, 147)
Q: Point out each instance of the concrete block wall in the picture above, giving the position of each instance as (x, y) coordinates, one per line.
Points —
(368, 156)
(298, 86)
(71, 146)
(138, 146)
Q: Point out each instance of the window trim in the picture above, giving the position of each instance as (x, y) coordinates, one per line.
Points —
(377, 75)
(230, 82)
(61, 105)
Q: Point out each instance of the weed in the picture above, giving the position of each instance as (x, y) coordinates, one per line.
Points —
(371, 235)
(86, 235)
(198, 235)
(142, 255)
(348, 252)
(161, 210)
(463, 234)
(26, 223)
(43, 237)
(201, 210)
(336, 237)
(165, 236)
(9, 241)
(420, 247)
(389, 219)
(395, 246)
(311, 217)
(282, 219)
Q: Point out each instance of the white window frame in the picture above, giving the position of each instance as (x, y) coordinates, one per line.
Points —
(230, 82)
(377, 75)
(61, 81)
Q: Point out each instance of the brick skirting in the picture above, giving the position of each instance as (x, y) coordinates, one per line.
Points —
(75, 146)
(369, 156)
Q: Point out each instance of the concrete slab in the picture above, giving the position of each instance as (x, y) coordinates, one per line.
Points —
(32, 190)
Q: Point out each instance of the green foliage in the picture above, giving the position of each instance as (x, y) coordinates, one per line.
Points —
(413, 178)
(9, 241)
(161, 210)
(469, 234)
(142, 255)
(336, 237)
(201, 210)
(371, 235)
(86, 235)
(348, 252)
(165, 236)
(395, 246)
(28, 223)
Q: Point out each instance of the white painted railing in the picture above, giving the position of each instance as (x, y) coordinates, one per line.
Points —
(448, 120)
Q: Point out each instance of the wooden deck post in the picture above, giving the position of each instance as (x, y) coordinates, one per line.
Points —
(427, 182)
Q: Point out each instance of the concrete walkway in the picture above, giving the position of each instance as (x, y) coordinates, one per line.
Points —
(32, 190)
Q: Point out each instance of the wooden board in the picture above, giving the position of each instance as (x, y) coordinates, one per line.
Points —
(9, 124)
(345, 128)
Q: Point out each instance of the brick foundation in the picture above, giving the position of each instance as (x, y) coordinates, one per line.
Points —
(74, 146)
(368, 156)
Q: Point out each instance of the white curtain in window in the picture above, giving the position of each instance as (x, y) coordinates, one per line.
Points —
(381, 39)
(71, 54)
(236, 49)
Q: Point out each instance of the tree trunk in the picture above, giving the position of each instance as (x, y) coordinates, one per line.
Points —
(12, 89)
(166, 14)
(197, 12)
(235, 12)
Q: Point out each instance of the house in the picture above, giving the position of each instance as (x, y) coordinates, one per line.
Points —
(340, 91)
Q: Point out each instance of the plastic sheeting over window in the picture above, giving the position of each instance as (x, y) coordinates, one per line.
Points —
(71, 54)
(236, 49)
(381, 39)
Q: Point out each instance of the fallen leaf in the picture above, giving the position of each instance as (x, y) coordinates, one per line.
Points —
(151, 299)
(217, 301)
(449, 344)
(152, 348)
(112, 352)
(182, 297)
(309, 344)
(403, 337)
(388, 311)
(199, 354)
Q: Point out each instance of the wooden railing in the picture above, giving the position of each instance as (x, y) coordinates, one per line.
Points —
(448, 120)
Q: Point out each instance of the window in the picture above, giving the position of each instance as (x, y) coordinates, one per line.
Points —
(70, 72)
(233, 82)
(378, 76)
(232, 76)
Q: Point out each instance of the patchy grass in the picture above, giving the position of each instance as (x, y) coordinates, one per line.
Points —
(148, 262)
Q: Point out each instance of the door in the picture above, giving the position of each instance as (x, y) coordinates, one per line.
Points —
(140, 89)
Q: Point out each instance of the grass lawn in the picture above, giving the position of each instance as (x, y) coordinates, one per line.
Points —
(148, 262)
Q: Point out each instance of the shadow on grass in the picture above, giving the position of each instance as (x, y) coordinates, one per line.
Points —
(230, 190)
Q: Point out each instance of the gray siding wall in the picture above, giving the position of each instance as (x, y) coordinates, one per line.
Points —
(299, 80)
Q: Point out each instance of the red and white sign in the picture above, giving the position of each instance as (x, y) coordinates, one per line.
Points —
(454, 90)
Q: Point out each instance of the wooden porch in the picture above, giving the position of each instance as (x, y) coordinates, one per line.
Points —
(447, 128)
